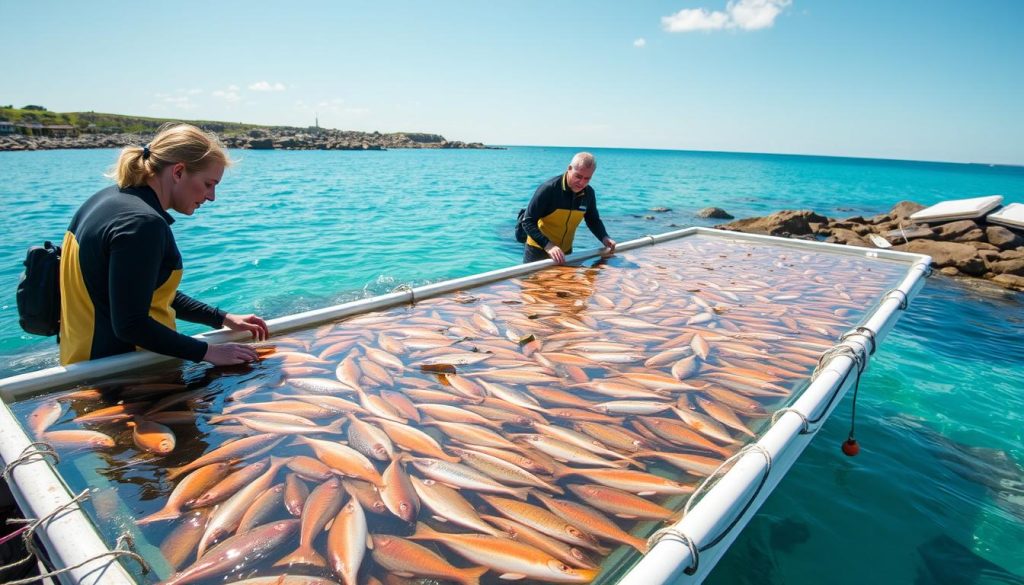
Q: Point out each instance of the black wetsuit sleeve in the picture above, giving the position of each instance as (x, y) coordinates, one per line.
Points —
(136, 250)
(195, 311)
(593, 219)
(540, 206)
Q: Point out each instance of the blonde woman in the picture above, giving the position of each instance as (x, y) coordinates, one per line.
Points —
(120, 266)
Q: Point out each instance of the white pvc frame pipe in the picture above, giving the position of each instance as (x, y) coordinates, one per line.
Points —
(71, 539)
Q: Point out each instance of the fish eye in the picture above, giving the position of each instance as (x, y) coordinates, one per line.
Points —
(572, 530)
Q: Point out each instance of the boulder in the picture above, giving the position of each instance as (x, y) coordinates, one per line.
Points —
(845, 236)
(782, 223)
(1010, 281)
(1011, 254)
(660, 209)
(961, 231)
(949, 271)
(983, 246)
(904, 209)
(961, 256)
(261, 144)
(909, 232)
(714, 213)
(1015, 266)
(1002, 237)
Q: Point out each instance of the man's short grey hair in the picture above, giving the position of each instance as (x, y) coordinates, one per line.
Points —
(583, 160)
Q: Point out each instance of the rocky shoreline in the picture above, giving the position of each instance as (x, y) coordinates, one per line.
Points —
(965, 248)
(259, 139)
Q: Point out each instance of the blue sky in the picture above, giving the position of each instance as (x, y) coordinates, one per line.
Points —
(916, 79)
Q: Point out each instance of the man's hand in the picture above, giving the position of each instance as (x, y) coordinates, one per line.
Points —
(229, 354)
(556, 253)
(609, 243)
(254, 325)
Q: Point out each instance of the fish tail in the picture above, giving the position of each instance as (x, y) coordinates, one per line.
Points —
(423, 532)
(561, 471)
(470, 576)
(175, 472)
(304, 555)
(639, 544)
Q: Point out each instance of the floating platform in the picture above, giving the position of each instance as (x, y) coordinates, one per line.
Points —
(657, 397)
(957, 209)
(1011, 215)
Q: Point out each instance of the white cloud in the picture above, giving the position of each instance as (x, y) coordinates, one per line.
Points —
(640, 43)
(741, 14)
(179, 100)
(229, 95)
(267, 86)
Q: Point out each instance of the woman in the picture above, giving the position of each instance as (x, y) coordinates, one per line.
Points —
(120, 266)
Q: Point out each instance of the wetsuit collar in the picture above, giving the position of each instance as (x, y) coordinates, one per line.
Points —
(147, 194)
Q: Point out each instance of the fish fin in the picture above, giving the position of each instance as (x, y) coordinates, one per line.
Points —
(472, 575)
(512, 576)
(163, 514)
(369, 541)
(521, 493)
(305, 555)
(648, 493)
(561, 471)
(626, 516)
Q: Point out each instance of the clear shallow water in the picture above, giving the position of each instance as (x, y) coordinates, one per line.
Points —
(936, 494)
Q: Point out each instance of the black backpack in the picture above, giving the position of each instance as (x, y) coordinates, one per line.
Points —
(39, 291)
(520, 230)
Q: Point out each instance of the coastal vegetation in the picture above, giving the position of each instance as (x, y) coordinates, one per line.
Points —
(34, 127)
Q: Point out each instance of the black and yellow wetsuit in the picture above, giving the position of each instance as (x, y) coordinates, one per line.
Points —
(119, 275)
(553, 215)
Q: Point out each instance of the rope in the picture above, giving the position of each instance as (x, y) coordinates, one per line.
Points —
(858, 358)
(40, 451)
(805, 424)
(903, 298)
(406, 288)
(28, 532)
(866, 332)
(671, 531)
(695, 550)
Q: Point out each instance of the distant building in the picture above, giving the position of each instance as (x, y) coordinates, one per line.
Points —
(30, 128)
(6, 127)
(60, 130)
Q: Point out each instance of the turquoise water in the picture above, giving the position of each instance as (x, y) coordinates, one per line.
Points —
(937, 494)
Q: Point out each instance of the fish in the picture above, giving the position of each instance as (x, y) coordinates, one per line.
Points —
(562, 551)
(502, 470)
(309, 468)
(263, 507)
(589, 519)
(152, 436)
(181, 542)
(228, 515)
(463, 476)
(398, 493)
(236, 553)
(43, 417)
(344, 460)
(347, 541)
(620, 503)
(295, 494)
(369, 440)
(187, 491)
(324, 503)
(405, 557)
(240, 449)
(74, 438)
(544, 522)
(449, 506)
(229, 485)
(509, 558)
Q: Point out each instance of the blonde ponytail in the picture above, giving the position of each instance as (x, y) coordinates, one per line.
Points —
(173, 144)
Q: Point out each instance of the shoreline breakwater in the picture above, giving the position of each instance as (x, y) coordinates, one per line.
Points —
(256, 139)
(965, 248)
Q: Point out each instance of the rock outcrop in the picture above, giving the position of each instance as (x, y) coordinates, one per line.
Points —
(259, 139)
(958, 248)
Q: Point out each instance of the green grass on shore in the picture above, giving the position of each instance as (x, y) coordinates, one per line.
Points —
(113, 123)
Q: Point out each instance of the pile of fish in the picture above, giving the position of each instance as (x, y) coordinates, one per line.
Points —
(520, 430)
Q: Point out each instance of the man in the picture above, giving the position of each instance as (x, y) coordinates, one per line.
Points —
(557, 208)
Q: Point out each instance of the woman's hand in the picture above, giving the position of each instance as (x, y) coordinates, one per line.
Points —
(229, 354)
(254, 325)
(555, 253)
